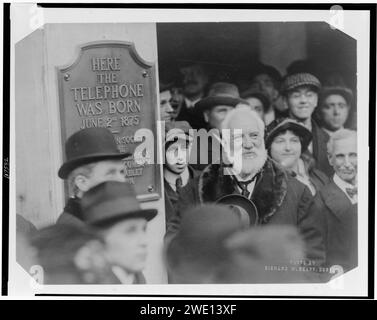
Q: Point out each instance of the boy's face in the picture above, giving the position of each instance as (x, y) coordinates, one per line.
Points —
(301, 102)
(126, 244)
(177, 155)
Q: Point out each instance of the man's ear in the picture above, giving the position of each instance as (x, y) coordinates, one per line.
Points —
(82, 182)
(206, 116)
(329, 158)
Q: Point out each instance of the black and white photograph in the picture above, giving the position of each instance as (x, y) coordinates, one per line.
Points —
(189, 152)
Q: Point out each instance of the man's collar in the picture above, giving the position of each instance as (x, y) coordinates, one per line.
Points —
(329, 132)
(172, 177)
(123, 276)
(343, 185)
(191, 103)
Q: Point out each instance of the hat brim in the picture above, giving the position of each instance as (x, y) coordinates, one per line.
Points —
(210, 102)
(70, 165)
(147, 214)
(300, 130)
(346, 94)
(243, 202)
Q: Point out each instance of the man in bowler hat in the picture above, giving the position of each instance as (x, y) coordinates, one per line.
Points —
(112, 208)
(92, 157)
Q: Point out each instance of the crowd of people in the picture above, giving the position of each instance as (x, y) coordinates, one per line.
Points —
(285, 210)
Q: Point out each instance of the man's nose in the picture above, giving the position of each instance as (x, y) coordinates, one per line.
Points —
(143, 242)
(347, 162)
(336, 110)
(247, 143)
(169, 107)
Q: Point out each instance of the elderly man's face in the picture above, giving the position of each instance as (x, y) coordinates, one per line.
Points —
(126, 244)
(216, 116)
(249, 143)
(194, 80)
(344, 159)
(301, 102)
(334, 112)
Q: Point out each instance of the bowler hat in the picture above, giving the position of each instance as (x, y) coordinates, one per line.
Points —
(346, 93)
(112, 201)
(245, 208)
(284, 124)
(294, 81)
(220, 93)
(87, 146)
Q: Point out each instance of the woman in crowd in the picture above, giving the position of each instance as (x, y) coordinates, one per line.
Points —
(287, 142)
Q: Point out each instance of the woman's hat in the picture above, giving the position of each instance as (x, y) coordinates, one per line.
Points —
(281, 125)
(87, 146)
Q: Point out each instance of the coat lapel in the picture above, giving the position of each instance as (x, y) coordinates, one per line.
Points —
(335, 199)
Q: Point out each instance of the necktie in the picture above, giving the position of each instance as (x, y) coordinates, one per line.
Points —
(243, 185)
(352, 191)
(178, 184)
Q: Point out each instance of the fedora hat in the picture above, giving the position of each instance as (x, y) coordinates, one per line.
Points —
(87, 146)
(281, 125)
(112, 201)
(220, 93)
(243, 207)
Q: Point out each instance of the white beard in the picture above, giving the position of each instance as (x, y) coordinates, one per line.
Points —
(250, 167)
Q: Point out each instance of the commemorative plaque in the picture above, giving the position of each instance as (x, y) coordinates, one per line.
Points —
(109, 85)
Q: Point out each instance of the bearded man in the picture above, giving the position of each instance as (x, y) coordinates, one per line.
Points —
(279, 198)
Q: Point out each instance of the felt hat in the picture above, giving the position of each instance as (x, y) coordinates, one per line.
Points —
(87, 146)
(112, 201)
(242, 206)
(346, 93)
(220, 93)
